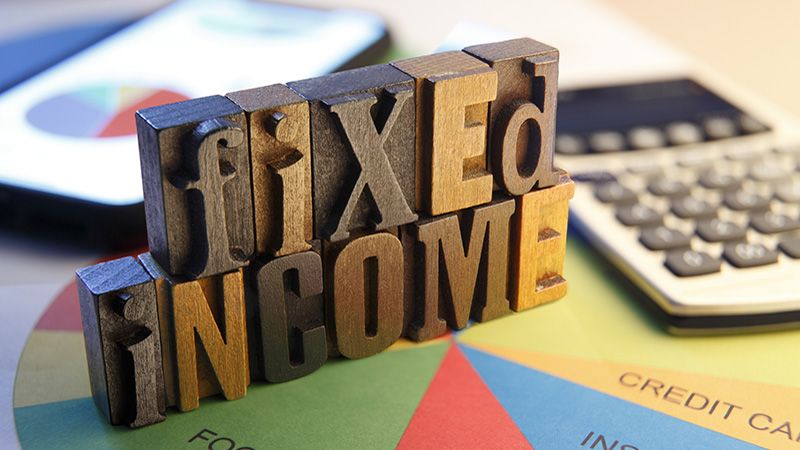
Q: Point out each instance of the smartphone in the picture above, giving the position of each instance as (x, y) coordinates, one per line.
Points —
(70, 157)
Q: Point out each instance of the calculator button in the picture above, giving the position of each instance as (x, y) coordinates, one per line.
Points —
(741, 200)
(744, 254)
(714, 179)
(687, 263)
(646, 137)
(666, 187)
(719, 128)
(694, 160)
(691, 208)
(717, 230)
(663, 238)
(769, 222)
(750, 125)
(791, 246)
(645, 168)
(788, 191)
(766, 171)
(614, 193)
(607, 141)
(682, 133)
(638, 215)
(570, 144)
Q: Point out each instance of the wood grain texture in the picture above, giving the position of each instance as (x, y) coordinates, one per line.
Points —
(123, 346)
(523, 116)
(453, 92)
(539, 238)
(209, 311)
(196, 179)
(364, 290)
(362, 134)
(280, 160)
(292, 312)
(461, 268)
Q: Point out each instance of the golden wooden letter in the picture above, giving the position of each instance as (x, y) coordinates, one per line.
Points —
(538, 246)
(453, 95)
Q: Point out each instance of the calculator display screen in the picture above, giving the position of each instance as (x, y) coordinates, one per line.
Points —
(653, 104)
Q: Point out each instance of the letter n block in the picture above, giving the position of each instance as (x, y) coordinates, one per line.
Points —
(196, 179)
(123, 345)
(539, 239)
(204, 335)
(362, 134)
(522, 119)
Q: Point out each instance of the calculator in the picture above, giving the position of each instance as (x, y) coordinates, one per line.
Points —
(693, 196)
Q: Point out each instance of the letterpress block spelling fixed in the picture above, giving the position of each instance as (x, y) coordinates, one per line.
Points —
(522, 119)
(453, 92)
(196, 179)
(362, 133)
(280, 152)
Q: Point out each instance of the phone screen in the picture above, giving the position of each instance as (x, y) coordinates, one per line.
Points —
(70, 130)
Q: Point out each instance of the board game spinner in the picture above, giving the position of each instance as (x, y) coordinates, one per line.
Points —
(329, 217)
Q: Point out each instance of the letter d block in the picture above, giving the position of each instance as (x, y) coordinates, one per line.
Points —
(539, 240)
(196, 179)
(527, 93)
(123, 345)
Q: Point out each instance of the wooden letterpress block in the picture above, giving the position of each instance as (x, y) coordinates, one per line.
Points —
(280, 159)
(453, 91)
(527, 93)
(539, 238)
(196, 179)
(472, 280)
(292, 312)
(209, 311)
(362, 134)
(364, 291)
(123, 346)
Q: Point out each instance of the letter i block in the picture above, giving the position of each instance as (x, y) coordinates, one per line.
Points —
(209, 312)
(527, 93)
(123, 345)
(362, 133)
(453, 92)
(196, 179)
(280, 152)
(538, 245)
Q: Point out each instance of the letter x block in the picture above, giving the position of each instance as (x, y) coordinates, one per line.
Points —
(363, 150)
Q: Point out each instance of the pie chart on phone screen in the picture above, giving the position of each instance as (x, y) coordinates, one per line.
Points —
(97, 111)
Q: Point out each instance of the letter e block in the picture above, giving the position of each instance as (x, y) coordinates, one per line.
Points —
(453, 94)
(538, 246)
